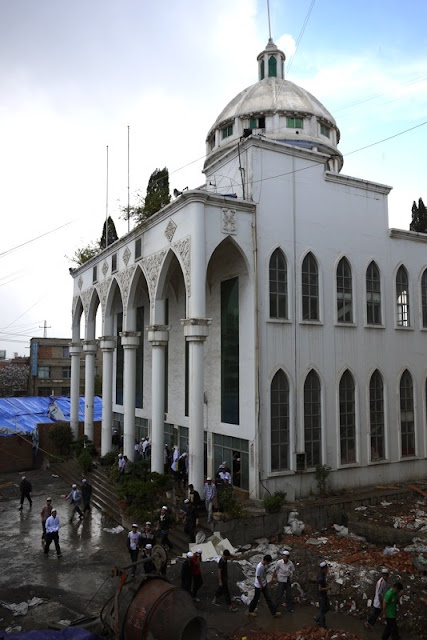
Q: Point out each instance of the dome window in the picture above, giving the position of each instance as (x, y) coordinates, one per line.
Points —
(227, 131)
(272, 67)
(325, 131)
(294, 123)
(262, 69)
(257, 123)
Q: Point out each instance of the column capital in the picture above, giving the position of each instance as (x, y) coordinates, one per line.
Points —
(130, 339)
(107, 343)
(90, 346)
(196, 329)
(158, 334)
(75, 348)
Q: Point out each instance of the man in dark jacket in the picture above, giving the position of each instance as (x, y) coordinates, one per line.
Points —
(187, 573)
(191, 520)
(86, 495)
(25, 488)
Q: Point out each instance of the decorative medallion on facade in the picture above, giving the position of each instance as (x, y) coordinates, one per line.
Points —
(124, 278)
(102, 289)
(126, 255)
(152, 266)
(183, 248)
(170, 230)
(80, 283)
(105, 268)
(229, 224)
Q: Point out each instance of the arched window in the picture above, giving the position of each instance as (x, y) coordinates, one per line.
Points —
(373, 294)
(402, 298)
(376, 416)
(407, 425)
(310, 288)
(279, 405)
(272, 67)
(278, 285)
(344, 292)
(312, 420)
(262, 70)
(424, 298)
(347, 418)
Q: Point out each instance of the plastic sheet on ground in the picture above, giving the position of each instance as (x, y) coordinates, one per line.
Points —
(70, 633)
(114, 530)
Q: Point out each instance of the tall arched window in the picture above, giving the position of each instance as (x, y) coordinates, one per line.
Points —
(373, 294)
(344, 292)
(310, 288)
(347, 418)
(402, 298)
(279, 410)
(272, 67)
(278, 285)
(407, 425)
(424, 298)
(312, 420)
(376, 416)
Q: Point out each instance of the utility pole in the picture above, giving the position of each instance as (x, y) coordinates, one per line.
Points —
(45, 328)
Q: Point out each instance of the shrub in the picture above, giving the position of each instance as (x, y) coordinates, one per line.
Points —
(273, 504)
(231, 506)
(85, 460)
(321, 475)
(109, 459)
(83, 444)
(61, 436)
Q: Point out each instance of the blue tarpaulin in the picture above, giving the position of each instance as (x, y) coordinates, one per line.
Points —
(22, 415)
(70, 633)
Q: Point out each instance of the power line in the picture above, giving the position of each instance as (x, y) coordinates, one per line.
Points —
(23, 244)
(307, 18)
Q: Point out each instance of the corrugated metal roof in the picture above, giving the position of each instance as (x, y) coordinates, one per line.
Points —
(22, 415)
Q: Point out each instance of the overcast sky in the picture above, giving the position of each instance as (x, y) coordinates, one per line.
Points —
(74, 75)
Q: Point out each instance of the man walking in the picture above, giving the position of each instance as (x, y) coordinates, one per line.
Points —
(75, 498)
(223, 581)
(52, 533)
(284, 572)
(197, 574)
(390, 601)
(380, 589)
(44, 514)
(86, 495)
(191, 520)
(187, 573)
(260, 584)
(134, 545)
(209, 494)
(164, 526)
(147, 536)
(322, 592)
(25, 488)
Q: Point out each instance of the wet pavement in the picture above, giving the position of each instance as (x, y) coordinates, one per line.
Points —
(80, 582)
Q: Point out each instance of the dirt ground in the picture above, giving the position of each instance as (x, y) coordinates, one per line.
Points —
(80, 582)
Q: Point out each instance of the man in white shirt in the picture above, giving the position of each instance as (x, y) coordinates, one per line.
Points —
(52, 533)
(75, 497)
(134, 544)
(260, 584)
(380, 589)
(284, 572)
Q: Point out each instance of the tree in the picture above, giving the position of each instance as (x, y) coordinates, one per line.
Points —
(112, 233)
(84, 254)
(14, 380)
(156, 198)
(419, 217)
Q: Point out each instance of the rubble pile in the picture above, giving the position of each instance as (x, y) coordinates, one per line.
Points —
(306, 633)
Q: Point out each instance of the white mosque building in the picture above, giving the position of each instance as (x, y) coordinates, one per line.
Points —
(283, 324)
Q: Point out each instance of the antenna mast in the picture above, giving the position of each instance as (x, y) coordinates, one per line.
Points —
(269, 23)
(128, 183)
(45, 328)
(106, 206)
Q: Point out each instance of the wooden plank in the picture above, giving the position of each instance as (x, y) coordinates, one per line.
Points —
(417, 489)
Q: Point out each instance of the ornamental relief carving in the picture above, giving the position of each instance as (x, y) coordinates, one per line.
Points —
(124, 277)
(170, 230)
(151, 266)
(183, 248)
(86, 297)
(126, 255)
(74, 305)
(102, 289)
(229, 224)
(105, 268)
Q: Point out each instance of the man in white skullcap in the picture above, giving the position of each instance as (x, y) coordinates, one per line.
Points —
(187, 573)
(134, 545)
(75, 498)
(283, 573)
(380, 589)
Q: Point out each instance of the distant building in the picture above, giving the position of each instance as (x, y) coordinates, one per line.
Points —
(50, 368)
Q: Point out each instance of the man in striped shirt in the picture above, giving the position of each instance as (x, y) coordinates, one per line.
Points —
(209, 496)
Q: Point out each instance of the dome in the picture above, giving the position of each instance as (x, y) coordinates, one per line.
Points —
(278, 110)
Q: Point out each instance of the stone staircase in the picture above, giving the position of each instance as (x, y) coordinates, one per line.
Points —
(105, 498)
(104, 494)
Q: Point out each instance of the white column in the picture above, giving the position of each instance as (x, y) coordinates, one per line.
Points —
(158, 335)
(89, 348)
(196, 331)
(107, 344)
(130, 342)
(75, 351)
